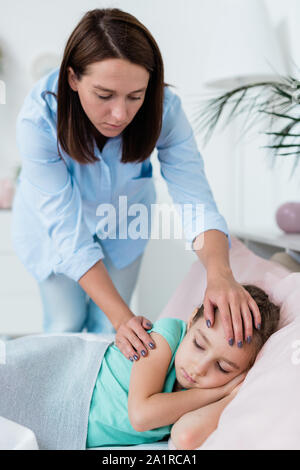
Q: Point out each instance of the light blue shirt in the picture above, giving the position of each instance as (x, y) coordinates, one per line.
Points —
(55, 205)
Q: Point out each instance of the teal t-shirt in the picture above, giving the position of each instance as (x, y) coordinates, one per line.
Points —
(108, 423)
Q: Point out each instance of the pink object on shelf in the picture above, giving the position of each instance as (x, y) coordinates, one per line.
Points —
(7, 190)
(288, 217)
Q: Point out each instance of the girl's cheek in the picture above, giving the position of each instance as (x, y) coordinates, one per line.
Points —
(211, 382)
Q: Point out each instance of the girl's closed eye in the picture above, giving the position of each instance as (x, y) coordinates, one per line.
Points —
(217, 363)
(221, 369)
(197, 345)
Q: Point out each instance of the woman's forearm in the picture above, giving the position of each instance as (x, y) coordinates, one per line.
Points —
(98, 285)
(192, 429)
(212, 249)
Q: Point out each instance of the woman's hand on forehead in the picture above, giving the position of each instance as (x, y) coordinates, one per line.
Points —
(238, 310)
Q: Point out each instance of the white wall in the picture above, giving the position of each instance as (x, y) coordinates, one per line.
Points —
(183, 30)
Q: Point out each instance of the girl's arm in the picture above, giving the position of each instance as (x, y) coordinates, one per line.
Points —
(192, 429)
(148, 408)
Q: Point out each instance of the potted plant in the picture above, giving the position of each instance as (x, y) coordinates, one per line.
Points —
(278, 101)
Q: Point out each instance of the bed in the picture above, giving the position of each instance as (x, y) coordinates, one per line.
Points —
(264, 414)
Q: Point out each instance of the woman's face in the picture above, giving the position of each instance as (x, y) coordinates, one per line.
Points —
(111, 93)
(204, 358)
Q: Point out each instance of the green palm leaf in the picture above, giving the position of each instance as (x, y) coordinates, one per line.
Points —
(275, 100)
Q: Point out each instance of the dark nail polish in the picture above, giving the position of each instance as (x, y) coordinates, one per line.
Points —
(151, 345)
(208, 323)
(249, 338)
(240, 344)
(149, 324)
(135, 357)
(143, 353)
(131, 359)
(230, 341)
(258, 326)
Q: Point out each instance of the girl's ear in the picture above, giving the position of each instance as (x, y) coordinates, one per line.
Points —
(191, 317)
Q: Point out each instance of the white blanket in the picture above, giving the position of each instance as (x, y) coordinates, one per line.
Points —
(46, 385)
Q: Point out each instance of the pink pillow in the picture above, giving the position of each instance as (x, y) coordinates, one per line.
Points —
(265, 413)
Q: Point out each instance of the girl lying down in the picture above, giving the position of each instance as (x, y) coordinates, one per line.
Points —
(77, 391)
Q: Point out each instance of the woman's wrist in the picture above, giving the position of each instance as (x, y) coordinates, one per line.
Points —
(122, 317)
(214, 253)
(217, 268)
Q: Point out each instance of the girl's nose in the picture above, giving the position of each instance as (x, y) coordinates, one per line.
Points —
(199, 370)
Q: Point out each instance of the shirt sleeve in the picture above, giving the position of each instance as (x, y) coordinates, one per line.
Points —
(53, 194)
(172, 329)
(182, 167)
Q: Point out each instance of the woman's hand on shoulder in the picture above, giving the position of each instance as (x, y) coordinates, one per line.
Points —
(132, 338)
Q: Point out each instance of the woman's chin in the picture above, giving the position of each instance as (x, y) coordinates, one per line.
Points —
(109, 131)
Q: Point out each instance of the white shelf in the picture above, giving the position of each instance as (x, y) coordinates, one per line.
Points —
(274, 238)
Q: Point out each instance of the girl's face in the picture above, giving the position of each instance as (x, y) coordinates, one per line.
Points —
(111, 93)
(204, 358)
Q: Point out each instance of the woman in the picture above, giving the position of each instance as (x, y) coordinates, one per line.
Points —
(85, 133)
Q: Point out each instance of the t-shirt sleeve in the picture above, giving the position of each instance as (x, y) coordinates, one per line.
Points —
(172, 329)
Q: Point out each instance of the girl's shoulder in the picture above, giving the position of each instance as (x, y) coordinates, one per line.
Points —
(172, 329)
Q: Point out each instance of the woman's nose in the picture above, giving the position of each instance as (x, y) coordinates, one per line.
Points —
(119, 113)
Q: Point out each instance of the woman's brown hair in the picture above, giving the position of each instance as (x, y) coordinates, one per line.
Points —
(103, 34)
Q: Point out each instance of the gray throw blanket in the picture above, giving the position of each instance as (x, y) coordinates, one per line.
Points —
(46, 384)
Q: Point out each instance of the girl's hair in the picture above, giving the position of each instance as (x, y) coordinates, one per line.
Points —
(104, 34)
(270, 314)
